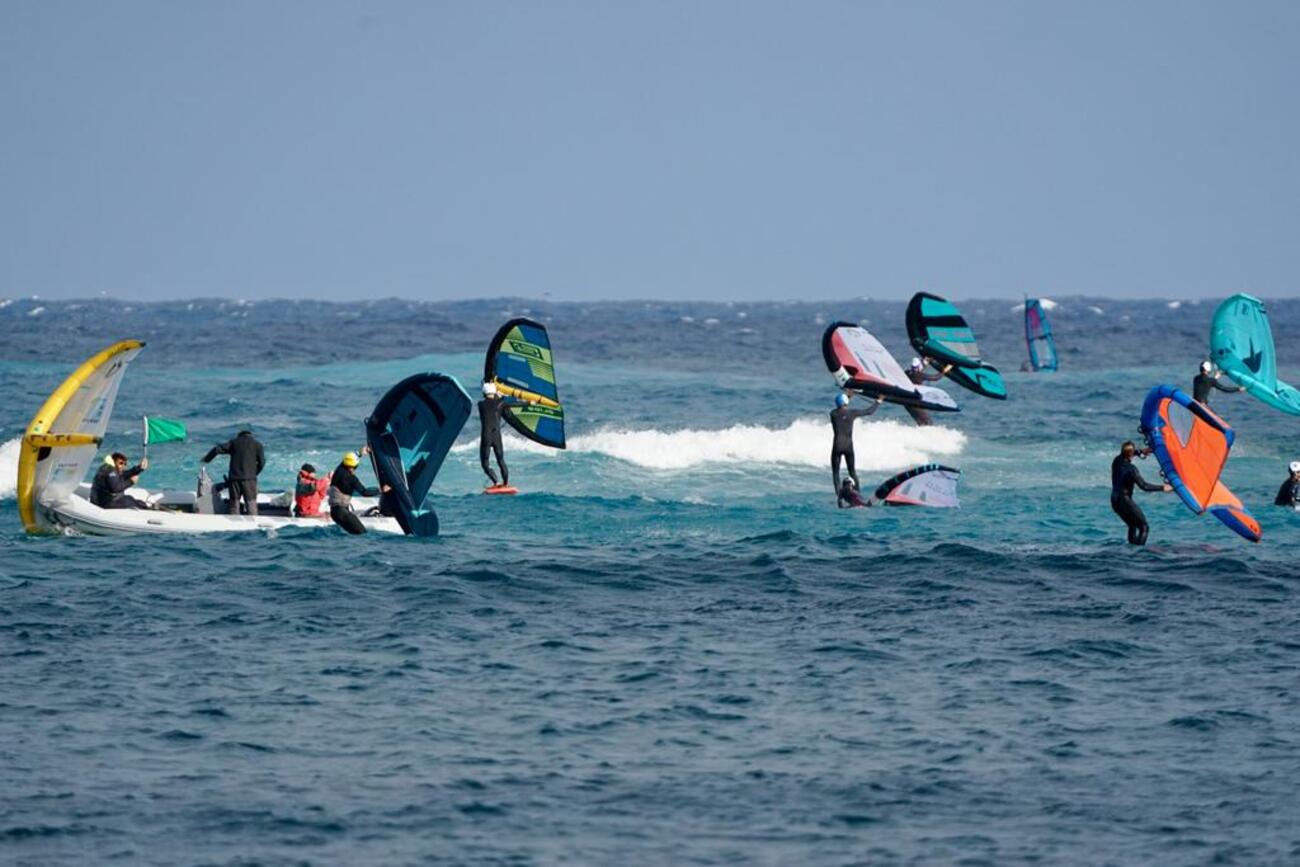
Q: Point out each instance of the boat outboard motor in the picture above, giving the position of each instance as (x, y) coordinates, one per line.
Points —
(205, 495)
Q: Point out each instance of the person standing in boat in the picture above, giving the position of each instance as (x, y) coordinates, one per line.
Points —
(247, 459)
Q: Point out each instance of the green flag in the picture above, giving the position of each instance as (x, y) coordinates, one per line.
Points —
(163, 430)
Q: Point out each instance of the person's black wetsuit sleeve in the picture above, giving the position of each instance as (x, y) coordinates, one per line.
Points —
(1143, 483)
(261, 458)
(1221, 387)
(863, 413)
(218, 449)
(356, 489)
(117, 483)
(932, 377)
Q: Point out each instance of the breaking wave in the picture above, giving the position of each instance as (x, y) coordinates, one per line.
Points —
(9, 468)
(879, 445)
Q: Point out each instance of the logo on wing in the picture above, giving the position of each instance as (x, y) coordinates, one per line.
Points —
(1255, 359)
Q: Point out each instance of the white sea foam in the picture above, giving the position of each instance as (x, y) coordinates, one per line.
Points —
(9, 468)
(879, 445)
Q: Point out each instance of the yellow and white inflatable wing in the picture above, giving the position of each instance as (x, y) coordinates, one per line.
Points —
(63, 438)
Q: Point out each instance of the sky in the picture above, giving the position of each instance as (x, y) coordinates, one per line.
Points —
(675, 150)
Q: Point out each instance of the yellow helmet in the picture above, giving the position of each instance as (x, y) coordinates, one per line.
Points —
(351, 460)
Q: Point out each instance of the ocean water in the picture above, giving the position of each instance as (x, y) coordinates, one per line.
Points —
(671, 648)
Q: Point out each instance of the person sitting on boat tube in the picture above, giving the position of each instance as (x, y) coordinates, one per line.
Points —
(108, 490)
(309, 492)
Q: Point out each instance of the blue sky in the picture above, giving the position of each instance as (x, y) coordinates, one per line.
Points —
(710, 150)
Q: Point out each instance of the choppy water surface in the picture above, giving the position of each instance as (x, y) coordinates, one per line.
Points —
(671, 648)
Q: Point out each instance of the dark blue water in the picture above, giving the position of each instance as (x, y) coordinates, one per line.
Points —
(671, 647)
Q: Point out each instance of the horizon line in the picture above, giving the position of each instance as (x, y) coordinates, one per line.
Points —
(104, 297)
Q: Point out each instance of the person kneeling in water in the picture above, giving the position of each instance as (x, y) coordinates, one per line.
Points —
(1123, 476)
(344, 485)
(849, 498)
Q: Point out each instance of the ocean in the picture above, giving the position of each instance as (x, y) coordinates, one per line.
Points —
(671, 647)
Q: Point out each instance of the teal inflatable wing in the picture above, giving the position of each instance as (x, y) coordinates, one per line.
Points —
(938, 331)
(1241, 344)
(984, 380)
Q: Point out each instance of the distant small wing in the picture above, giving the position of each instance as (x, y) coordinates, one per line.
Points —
(927, 485)
(1038, 336)
(1190, 442)
(1241, 343)
(859, 362)
(1225, 506)
(937, 330)
(519, 358)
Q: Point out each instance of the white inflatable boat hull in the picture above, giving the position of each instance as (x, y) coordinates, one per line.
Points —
(76, 514)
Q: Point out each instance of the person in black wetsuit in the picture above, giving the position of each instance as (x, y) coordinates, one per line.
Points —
(1123, 476)
(108, 489)
(490, 409)
(842, 419)
(344, 485)
(1289, 493)
(1206, 380)
(246, 463)
(916, 373)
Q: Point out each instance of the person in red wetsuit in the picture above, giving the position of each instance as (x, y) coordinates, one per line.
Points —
(310, 492)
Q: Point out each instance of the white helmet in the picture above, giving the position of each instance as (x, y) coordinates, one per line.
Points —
(489, 388)
(916, 364)
(1206, 367)
(1295, 466)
